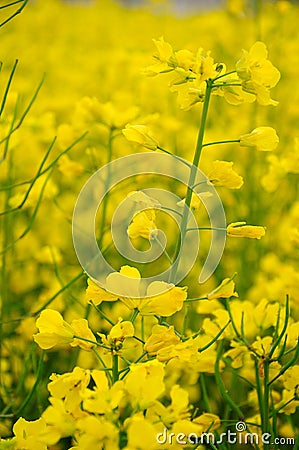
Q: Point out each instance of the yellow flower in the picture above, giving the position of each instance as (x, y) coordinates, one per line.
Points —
(165, 60)
(59, 422)
(143, 199)
(142, 434)
(162, 298)
(96, 433)
(143, 225)
(53, 330)
(29, 435)
(81, 328)
(226, 289)
(69, 388)
(257, 73)
(185, 59)
(223, 175)
(237, 354)
(291, 377)
(165, 303)
(98, 295)
(139, 134)
(129, 279)
(240, 229)
(144, 383)
(160, 338)
(102, 399)
(288, 402)
(208, 421)
(262, 138)
(205, 67)
(117, 335)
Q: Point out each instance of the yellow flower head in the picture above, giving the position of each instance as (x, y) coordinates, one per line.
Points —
(98, 295)
(165, 59)
(143, 225)
(81, 329)
(118, 333)
(69, 387)
(240, 229)
(205, 67)
(102, 398)
(262, 138)
(226, 289)
(53, 330)
(160, 338)
(139, 134)
(257, 73)
(30, 434)
(223, 174)
(165, 299)
(144, 383)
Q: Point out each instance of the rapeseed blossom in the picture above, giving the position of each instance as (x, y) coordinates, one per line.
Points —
(240, 229)
(262, 138)
(147, 358)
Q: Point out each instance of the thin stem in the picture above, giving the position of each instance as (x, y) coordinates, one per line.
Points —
(102, 313)
(226, 397)
(15, 13)
(228, 141)
(21, 120)
(285, 326)
(8, 86)
(204, 392)
(226, 85)
(174, 156)
(205, 229)
(103, 364)
(192, 178)
(189, 300)
(34, 387)
(115, 372)
(267, 428)
(134, 315)
(224, 75)
(205, 347)
(107, 180)
(51, 299)
(164, 249)
(91, 342)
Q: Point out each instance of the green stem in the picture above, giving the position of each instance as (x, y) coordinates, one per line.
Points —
(115, 372)
(267, 428)
(192, 178)
(204, 392)
(34, 387)
(226, 397)
(228, 141)
(164, 250)
(102, 314)
(134, 315)
(105, 200)
(224, 75)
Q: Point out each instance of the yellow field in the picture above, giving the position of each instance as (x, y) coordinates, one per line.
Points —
(133, 360)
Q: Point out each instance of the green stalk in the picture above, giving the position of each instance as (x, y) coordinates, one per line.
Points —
(192, 178)
(115, 372)
(105, 199)
(267, 428)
